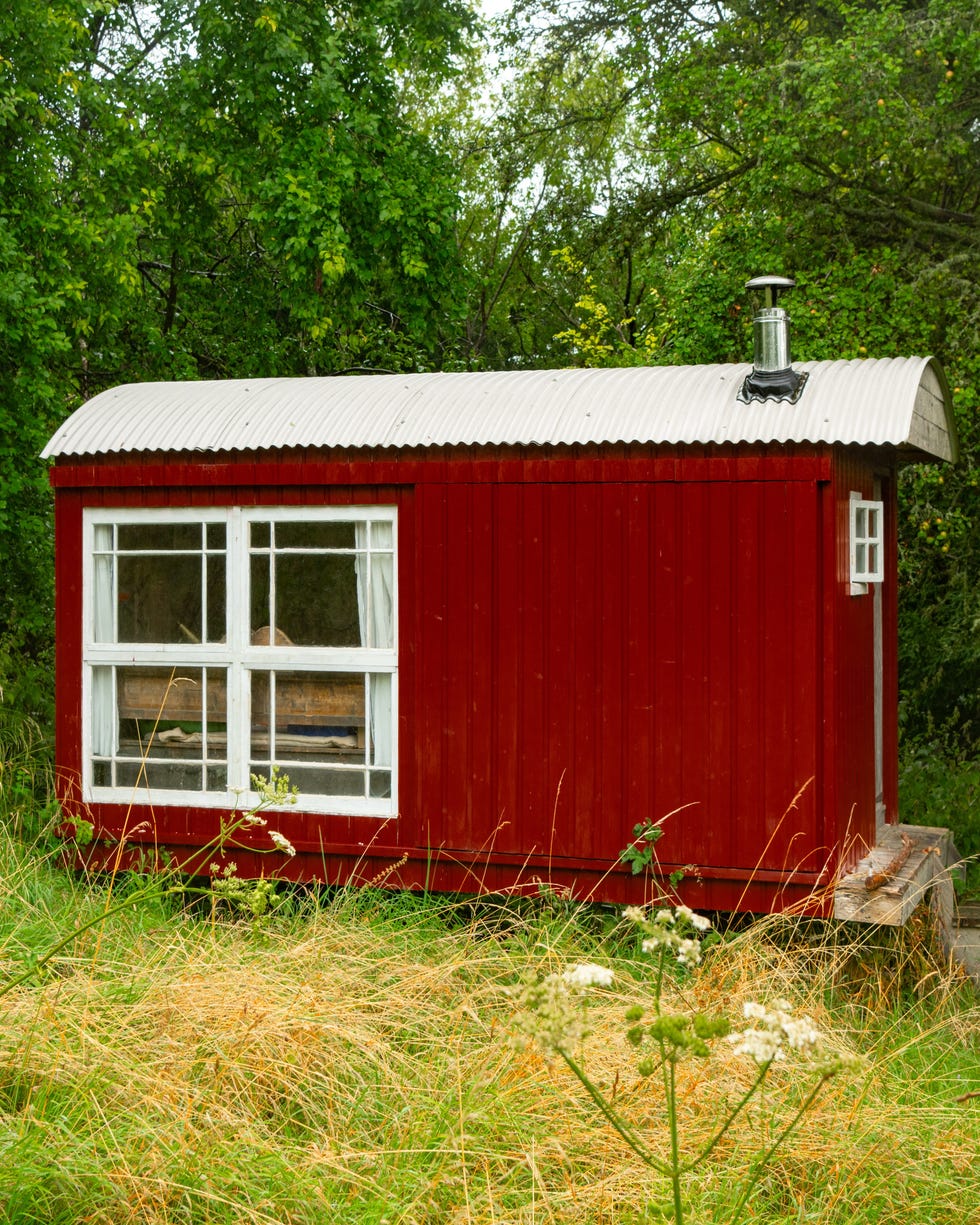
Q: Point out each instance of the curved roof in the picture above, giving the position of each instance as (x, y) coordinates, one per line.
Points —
(898, 401)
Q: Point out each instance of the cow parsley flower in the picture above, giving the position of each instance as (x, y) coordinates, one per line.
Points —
(281, 842)
(776, 1029)
(676, 932)
(588, 975)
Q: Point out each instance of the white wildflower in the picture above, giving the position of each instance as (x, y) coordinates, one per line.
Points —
(634, 914)
(777, 1028)
(657, 941)
(700, 922)
(689, 953)
(762, 1045)
(281, 842)
(581, 977)
(664, 916)
(553, 1014)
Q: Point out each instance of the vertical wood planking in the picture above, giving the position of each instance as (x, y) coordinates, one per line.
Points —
(459, 559)
(748, 602)
(613, 591)
(639, 725)
(430, 711)
(510, 610)
(483, 663)
(558, 755)
(720, 766)
(665, 659)
(693, 631)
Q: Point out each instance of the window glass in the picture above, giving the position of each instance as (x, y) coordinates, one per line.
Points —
(322, 535)
(316, 599)
(164, 727)
(303, 722)
(160, 598)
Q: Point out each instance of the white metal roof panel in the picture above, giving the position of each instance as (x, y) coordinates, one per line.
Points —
(891, 401)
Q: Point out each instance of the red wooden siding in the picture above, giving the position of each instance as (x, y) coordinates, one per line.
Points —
(849, 661)
(587, 640)
(595, 655)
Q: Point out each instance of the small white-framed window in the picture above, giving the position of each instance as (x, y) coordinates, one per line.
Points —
(222, 642)
(867, 543)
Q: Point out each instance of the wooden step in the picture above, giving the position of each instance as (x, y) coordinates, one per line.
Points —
(908, 864)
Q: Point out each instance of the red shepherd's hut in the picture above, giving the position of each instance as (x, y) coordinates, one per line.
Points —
(488, 623)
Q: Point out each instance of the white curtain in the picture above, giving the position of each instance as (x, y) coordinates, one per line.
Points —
(374, 566)
(103, 630)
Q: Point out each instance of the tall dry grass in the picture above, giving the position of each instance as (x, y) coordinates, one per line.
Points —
(351, 1062)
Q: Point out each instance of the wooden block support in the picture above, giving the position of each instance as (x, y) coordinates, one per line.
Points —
(905, 880)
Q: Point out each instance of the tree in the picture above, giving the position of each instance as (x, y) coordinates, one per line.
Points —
(834, 142)
(203, 188)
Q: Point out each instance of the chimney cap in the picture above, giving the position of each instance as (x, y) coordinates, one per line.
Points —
(772, 285)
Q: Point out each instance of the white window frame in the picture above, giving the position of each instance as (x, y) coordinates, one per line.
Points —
(236, 654)
(866, 536)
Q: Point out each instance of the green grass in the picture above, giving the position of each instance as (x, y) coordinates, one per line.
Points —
(351, 1059)
(939, 784)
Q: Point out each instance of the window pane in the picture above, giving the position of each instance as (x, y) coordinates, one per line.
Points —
(216, 595)
(159, 536)
(319, 780)
(325, 534)
(317, 599)
(860, 559)
(381, 719)
(259, 535)
(171, 697)
(259, 588)
(103, 714)
(172, 722)
(216, 535)
(161, 775)
(160, 598)
(382, 601)
(382, 536)
(860, 523)
(298, 715)
(381, 784)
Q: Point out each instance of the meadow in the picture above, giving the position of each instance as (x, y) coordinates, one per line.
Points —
(357, 1056)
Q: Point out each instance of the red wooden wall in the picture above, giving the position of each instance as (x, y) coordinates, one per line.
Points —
(587, 641)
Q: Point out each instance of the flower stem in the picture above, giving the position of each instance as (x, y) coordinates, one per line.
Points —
(615, 1121)
(670, 1088)
(764, 1160)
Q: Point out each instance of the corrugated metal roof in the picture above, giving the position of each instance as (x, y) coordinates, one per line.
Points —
(899, 401)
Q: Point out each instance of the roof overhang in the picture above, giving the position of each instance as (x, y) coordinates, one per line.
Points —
(891, 402)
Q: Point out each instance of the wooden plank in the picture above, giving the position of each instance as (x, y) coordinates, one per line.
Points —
(904, 885)
(510, 611)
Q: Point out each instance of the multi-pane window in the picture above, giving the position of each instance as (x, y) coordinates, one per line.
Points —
(221, 643)
(867, 543)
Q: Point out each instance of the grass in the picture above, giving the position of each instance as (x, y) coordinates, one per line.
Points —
(351, 1059)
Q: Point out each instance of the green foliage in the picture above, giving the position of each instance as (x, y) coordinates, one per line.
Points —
(640, 853)
(199, 188)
